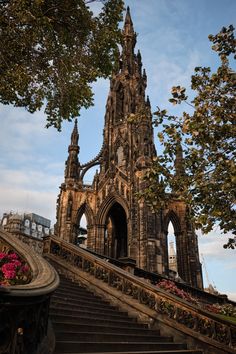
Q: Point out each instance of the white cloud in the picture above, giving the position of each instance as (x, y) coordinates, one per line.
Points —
(29, 191)
(23, 200)
(232, 296)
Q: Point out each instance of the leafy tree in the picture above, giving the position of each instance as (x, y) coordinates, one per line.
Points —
(198, 163)
(51, 52)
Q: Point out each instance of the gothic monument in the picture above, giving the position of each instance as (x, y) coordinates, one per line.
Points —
(118, 223)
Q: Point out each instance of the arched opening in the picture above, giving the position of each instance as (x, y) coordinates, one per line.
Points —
(81, 236)
(115, 237)
(83, 226)
(80, 228)
(172, 250)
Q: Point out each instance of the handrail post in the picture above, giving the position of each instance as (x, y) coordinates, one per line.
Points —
(46, 244)
(128, 264)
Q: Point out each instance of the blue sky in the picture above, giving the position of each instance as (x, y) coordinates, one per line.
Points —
(173, 39)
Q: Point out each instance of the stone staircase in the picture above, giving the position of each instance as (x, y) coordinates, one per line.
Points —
(85, 323)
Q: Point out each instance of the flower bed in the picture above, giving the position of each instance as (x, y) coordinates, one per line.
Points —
(171, 288)
(227, 310)
(13, 270)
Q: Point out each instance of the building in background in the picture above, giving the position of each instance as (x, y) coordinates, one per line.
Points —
(172, 258)
(28, 227)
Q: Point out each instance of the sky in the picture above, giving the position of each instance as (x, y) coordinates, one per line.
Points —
(173, 40)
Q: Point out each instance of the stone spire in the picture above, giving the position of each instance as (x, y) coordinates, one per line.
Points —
(75, 135)
(128, 31)
(72, 163)
(129, 41)
(179, 161)
(126, 98)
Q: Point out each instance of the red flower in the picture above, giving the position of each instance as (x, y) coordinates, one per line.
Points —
(9, 270)
(2, 255)
(13, 256)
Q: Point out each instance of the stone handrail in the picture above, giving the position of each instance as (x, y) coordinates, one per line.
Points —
(155, 278)
(24, 309)
(216, 331)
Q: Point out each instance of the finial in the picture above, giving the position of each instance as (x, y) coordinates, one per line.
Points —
(144, 74)
(148, 102)
(75, 134)
(128, 16)
(139, 62)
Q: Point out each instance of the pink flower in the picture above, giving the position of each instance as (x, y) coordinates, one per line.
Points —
(24, 269)
(13, 270)
(2, 255)
(16, 262)
(13, 256)
(9, 270)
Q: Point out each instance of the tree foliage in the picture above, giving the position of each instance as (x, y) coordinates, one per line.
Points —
(51, 52)
(206, 177)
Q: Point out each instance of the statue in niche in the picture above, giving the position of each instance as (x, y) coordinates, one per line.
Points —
(69, 209)
(120, 156)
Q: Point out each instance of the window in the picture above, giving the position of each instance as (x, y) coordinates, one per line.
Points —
(27, 223)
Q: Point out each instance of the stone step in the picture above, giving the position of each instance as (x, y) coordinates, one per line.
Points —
(79, 301)
(79, 298)
(75, 288)
(109, 314)
(134, 328)
(55, 304)
(82, 295)
(98, 347)
(85, 323)
(91, 337)
(96, 321)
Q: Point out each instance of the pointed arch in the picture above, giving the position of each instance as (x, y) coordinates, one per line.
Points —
(113, 222)
(107, 204)
(174, 218)
(87, 211)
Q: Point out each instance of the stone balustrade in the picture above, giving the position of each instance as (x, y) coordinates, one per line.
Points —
(220, 333)
(24, 309)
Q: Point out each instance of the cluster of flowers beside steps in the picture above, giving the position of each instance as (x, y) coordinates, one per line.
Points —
(13, 270)
(227, 310)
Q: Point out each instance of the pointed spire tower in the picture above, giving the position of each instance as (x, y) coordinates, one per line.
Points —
(128, 44)
(125, 144)
(72, 163)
